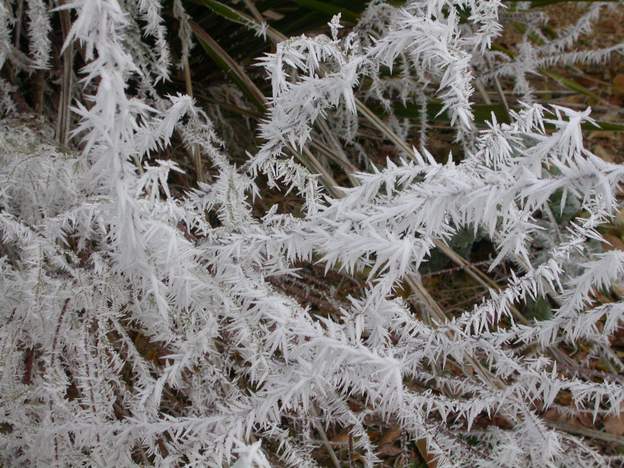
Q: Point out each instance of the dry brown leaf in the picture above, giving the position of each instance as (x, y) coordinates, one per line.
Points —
(421, 445)
(390, 435)
(389, 450)
(614, 242)
(603, 154)
(618, 84)
(341, 438)
(614, 424)
(582, 420)
(604, 135)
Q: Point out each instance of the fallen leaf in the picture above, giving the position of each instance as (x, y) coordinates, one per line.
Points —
(430, 460)
(618, 84)
(613, 242)
(389, 450)
(390, 435)
(341, 438)
(603, 154)
(614, 424)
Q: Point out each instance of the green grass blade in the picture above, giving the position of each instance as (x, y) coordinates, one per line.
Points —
(604, 127)
(543, 3)
(329, 9)
(225, 11)
(482, 113)
(231, 14)
(571, 85)
(229, 66)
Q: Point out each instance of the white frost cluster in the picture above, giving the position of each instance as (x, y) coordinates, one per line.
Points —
(140, 326)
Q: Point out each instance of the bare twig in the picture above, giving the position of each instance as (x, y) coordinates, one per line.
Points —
(64, 115)
(319, 427)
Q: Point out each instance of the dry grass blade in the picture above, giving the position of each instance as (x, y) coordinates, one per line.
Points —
(64, 113)
(230, 66)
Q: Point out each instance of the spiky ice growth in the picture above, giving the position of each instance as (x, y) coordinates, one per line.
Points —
(137, 330)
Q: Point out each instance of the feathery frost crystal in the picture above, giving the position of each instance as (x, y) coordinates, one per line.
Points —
(142, 325)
